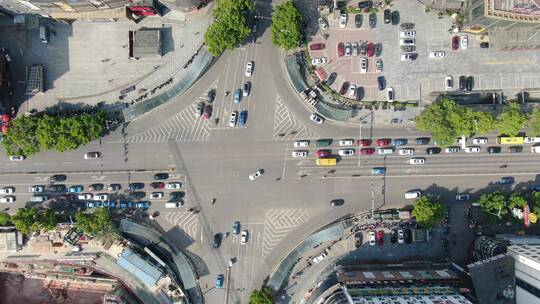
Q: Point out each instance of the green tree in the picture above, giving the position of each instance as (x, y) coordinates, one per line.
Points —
(483, 122)
(426, 212)
(230, 26)
(262, 296)
(5, 218)
(516, 201)
(534, 122)
(98, 223)
(28, 220)
(286, 26)
(535, 197)
(493, 203)
(511, 120)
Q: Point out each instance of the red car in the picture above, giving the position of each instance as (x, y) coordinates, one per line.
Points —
(379, 236)
(322, 153)
(367, 151)
(344, 88)
(340, 49)
(370, 49)
(317, 46)
(157, 185)
(364, 142)
(383, 142)
(455, 43)
(207, 112)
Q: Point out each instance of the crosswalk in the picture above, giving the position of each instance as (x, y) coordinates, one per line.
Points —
(287, 127)
(278, 223)
(187, 221)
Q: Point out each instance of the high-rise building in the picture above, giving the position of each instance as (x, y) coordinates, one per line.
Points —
(527, 272)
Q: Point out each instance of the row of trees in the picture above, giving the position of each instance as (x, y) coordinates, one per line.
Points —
(97, 224)
(447, 120)
(499, 205)
(31, 134)
(287, 26)
(230, 26)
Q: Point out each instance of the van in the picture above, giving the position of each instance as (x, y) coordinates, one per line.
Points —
(38, 198)
(173, 205)
(43, 34)
(323, 142)
(385, 151)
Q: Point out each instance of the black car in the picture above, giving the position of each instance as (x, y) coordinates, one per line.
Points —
(393, 236)
(177, 195)
(469, 83)
(58, 178)
(515, 149)
(395, 18)
(96, 187)
(331, 78)
(433, 150)
(492, 150)
(363, 48)
(408, 48)
(408, 236)
(462, 83)
(378, 49)
(387, 15)
(217, 240)
(381, 82)
(337, 202)
(358, 20)
(137, 195)
(407, 26)
(358, 240)
(372, 20)
(135, 186)
(360, 93)
(161, 176)
(484, 45)
(422, 140)
(57, 188)
(211, 96)
(247, 88)
(365, 4)
(344, 88)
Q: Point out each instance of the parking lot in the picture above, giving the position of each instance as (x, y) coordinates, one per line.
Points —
(491, 69)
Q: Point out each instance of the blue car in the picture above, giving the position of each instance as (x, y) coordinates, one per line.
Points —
(400, 142)
(242, 119)
(236, 228)
(219, 280)
(98, 204)
(507, 180)
(76, 189)
(237, 96)
(378, 170)
(534, 187)
(142, 205)
(89, 205)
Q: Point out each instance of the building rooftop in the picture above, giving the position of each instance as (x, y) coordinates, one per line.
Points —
(146, 43)
(493, 279)
(8, 241)
(146, 272)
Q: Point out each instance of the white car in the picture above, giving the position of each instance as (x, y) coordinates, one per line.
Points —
(156, 195)
(407, 34)
(417, 160)
(36, 189)
(85, 196)
(318, 61)
(346, 152)
(532, 140)
(363, 65)
(346, 142)
(173, 186)
(17, 158)
(448, 83)
(232, 120)
(472, 149)
(452, 150)
(378, 65)
(301, 144)
(437, 54)
(92, 155)
(401, 236)
(413, 194)
(249, 69)
(480, 141)
(463, 197)
(7, 199)
(319, 258)
(408, 41)
(390, 96)
(243, 237)
(352, 90)
(316, 118)
(322, 23)
(300, 153)
(101, 197)
(408, 57)
(343, 20)
(347, 49)
(173, 204)
(7, 190)
(256, 175)
(406, 151)
(372, 238)
(355, 49)
(464, 42)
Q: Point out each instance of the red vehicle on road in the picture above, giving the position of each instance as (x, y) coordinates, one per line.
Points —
(317, 46)
(379, 236)
(370, 49)
(364, 142)
(322, 153)
(341, 49)
(383, 142)
(455, 43)
(367, 151)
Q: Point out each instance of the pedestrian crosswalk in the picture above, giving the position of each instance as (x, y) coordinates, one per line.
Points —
(187, 221)
(278, 223)
(287, 127)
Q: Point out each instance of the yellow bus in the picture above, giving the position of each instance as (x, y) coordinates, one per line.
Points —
(510, 140)
(326, 161)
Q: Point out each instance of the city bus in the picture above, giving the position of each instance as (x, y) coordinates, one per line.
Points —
(510, 140)
(326, 161)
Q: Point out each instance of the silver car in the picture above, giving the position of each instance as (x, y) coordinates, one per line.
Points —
(348, 49)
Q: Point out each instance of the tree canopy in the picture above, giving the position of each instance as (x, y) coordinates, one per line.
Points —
(30, 134)
(98, 223)
(511, 120)
(262, 296)
(287, 26)
(534, 122)
(5, 218)
(493, 203)
(426, 212)
(230, 26)
(28, 220)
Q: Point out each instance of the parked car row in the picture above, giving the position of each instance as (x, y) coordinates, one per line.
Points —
(364, 48)
(240, 119)
(460, 42)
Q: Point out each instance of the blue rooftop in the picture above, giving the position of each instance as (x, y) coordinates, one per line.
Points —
(144, 271)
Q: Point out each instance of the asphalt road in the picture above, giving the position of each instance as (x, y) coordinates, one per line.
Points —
(277, 213)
